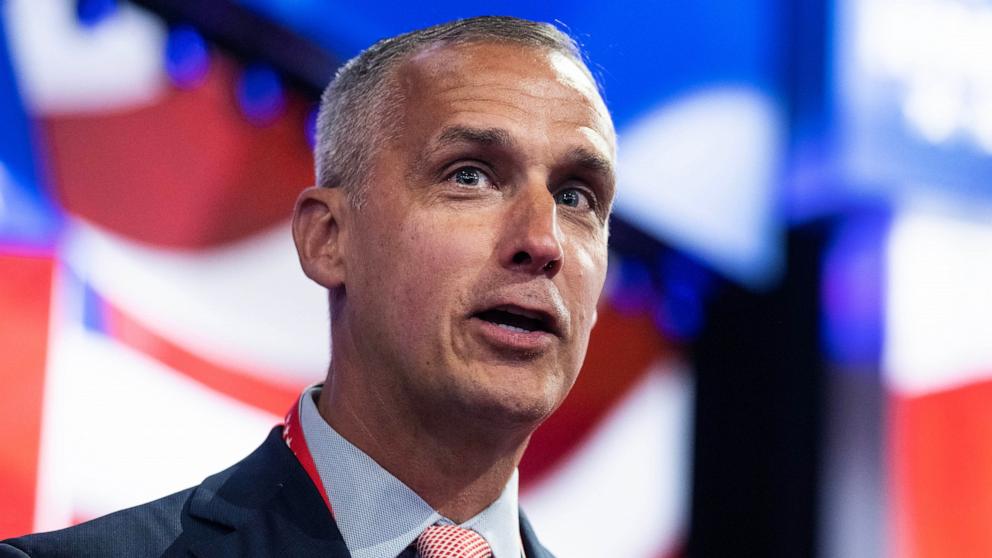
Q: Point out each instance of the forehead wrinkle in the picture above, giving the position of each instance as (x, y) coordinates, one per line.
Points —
(544, 89)
(522, 109)
(526, 103)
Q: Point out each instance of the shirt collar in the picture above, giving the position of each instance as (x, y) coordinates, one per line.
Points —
(377, 514)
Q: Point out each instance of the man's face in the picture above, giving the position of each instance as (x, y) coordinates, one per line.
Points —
(474, 267)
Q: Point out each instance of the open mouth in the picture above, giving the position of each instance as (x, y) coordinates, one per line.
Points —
(517, 319)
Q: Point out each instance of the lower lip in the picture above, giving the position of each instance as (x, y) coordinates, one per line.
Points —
(518, 341)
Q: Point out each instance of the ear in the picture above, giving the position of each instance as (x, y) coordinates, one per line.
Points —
(318, 234)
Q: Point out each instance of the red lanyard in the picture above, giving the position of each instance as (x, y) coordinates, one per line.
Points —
(292, 433)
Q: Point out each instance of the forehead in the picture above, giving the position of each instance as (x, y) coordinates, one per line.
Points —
(529, 91)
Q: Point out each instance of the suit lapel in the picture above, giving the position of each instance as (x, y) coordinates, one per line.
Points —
(267, 506)
(532, 546)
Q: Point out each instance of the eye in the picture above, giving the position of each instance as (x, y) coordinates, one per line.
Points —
(470, 177)
(574, 197)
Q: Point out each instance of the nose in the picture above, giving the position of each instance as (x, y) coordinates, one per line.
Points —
(532, 238)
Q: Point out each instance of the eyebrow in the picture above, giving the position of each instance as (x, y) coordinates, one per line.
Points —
(591, 161)
(496, 137)
(455, 135)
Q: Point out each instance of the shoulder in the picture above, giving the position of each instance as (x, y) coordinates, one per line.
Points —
(145, 530)
(171, 525)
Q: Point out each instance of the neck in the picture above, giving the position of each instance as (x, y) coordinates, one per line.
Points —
(457, 467)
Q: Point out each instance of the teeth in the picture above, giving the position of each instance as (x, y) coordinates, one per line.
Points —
(513, 328)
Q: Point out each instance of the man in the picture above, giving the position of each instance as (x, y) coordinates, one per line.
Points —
(465, 179)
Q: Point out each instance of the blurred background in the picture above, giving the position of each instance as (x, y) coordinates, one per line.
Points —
(794, 353)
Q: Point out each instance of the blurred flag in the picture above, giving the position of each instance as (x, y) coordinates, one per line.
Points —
(938, 366)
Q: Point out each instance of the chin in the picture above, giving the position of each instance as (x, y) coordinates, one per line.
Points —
(514, 415)
(515, 404)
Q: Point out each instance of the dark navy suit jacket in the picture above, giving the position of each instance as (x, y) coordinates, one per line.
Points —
(265, 505)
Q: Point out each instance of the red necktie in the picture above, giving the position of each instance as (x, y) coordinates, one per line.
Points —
(452, 541)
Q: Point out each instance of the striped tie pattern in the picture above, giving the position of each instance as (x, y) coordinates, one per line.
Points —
(452, 541)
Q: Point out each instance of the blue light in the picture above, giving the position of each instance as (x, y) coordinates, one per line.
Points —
(91, 13)
(852, 292)
(27, 219)
(310, 127)
(679, 314)
(681, 311)
(260, 94)
(635, 292)
(94, 309)
(186, 57)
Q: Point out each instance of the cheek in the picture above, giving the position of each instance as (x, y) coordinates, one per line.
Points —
(438, 265)
(589, 277)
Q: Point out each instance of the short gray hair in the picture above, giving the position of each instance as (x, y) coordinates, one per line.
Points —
(359, 108)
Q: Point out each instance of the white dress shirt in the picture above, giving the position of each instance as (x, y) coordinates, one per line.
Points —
(377, 514)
